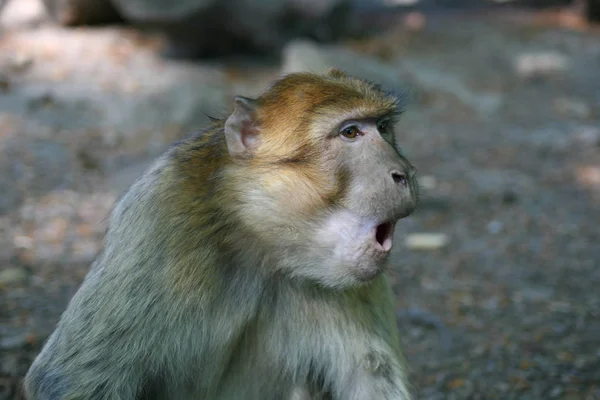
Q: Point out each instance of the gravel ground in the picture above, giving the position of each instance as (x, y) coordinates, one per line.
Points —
(504, 127)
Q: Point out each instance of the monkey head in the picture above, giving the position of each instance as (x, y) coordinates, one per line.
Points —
(317, 174)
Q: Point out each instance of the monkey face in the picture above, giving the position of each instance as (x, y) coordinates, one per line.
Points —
(326, 182)
(380, 189)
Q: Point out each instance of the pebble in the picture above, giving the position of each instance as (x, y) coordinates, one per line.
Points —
(426, 241)
(540, 63)
(494, 227)
(23, 242)
(12, 276)
(414, 21)
(589, 175)
(555, 392)
(428, 182)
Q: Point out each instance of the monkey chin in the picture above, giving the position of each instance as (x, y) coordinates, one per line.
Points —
(361, 245)
(377, 249)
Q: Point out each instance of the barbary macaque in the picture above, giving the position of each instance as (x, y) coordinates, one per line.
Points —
(249, 261)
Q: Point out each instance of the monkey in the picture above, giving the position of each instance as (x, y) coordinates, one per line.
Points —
(248, 262)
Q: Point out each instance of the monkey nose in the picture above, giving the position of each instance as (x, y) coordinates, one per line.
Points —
(399, 177)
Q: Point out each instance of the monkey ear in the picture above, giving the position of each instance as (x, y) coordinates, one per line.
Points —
(241, 129)
(336, 73)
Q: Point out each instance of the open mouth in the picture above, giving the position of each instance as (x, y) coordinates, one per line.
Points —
(384, 234)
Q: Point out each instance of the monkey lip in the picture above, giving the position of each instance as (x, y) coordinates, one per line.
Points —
(384, 234)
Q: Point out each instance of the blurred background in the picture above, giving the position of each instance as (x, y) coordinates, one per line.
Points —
(497, 275)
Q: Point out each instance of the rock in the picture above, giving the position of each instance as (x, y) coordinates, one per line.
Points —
(541, 63)
(244, 12)
(509, 197)
(52, 165)
(169, 10)
(574, 108)
(307, 56)
(435, 79)
(434, 203)
(12, 195)
(589, 176)
(20, 62)
(13, 342)
(414, 21)
(555, 392)
(12, 276)
(161, 9)
(426, 241)
(133, 98)
(494, 227)
(533, 294)
(427, 182)
(498, 183)
(4, 83)
(80, 12)
(23, 242)
(593, 10)
(19, 13)
(589, 136)
(33, 167)
(123, 178)
(209, 28)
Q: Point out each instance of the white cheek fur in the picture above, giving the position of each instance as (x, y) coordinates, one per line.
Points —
(347, 234)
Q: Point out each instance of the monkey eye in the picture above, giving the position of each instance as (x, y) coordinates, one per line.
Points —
(383, 125)
(350, 132)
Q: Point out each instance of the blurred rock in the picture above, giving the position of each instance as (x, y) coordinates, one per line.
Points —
(123, 178)
(533, 294)
(574, 108)
(589, 136)
(494, 227)
(436, 79)
(509, 197)
(593, 10)
(11, 195)
(427, 182)
(4, 83)
(23, 242)
(13, 342)
(84, 250)
(426, 241)
(33, 166)
(17, 62)
(205, 28)
(20, 13)
(414, 21)
(307, 56)
(556, 392)
(52, 164)
(120, 91)
(78, 12)
(12, 276)
(540, 63)
(501, 183)
(434, 203)
(589, 176)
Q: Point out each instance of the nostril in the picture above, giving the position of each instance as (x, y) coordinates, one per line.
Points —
(399, 178)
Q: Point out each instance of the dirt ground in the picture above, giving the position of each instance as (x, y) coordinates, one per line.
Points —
(503, 126)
